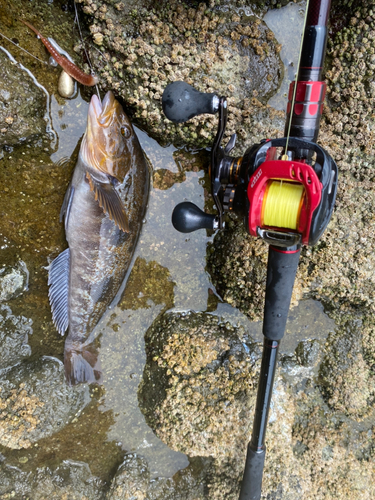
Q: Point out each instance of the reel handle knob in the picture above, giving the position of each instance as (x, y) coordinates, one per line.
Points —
(187, 217)
(181, 102)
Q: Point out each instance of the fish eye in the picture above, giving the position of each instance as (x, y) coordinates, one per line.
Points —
(125, 131)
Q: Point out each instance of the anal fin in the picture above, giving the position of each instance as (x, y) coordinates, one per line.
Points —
(109, 201)
(58, 281)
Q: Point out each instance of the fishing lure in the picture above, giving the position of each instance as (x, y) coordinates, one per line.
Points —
(69, 67)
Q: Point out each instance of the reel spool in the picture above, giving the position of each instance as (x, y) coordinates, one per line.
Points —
(282, 204)
(283, 196)
(289, 202)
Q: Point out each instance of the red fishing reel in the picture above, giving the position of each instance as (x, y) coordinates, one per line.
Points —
(289, 201)
(284, 188)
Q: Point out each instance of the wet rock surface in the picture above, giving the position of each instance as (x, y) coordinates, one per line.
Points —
(71, 480)
(14, 335)
(188, 483)
(198, 384)
(131, 480)
(13, 281)
(315, 435)
(22, 105)
(215, 50)
(35, 402)
(346, 378)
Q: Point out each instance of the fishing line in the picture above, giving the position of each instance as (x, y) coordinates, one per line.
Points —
(84, 47)
(21, 48)
(47, 117)
(282, 204)
(285, 155)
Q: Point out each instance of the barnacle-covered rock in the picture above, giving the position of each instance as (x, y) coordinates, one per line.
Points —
(215, 49)
(69, 479)
(13, 281)
(198, 385)
(345, 377)
(35, 402)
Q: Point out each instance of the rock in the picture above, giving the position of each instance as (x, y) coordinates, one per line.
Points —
(215, 49)
(131, 480)
(22, 105)
(186, 484)
(345, 377)
(71, 479)
(237, 264)
(35, 402)
(197, 392)
(13, 281)
(14, 332)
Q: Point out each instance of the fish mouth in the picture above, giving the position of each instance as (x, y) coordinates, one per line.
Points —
(95, 107)
(102, 112)
(103, 144)
(101, 125)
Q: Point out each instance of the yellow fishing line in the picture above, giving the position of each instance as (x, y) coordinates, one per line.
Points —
(282, 204)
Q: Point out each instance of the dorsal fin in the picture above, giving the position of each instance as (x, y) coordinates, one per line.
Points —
(109, 201)
(58, 279)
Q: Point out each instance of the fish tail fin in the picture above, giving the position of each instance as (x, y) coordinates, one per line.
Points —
(82, 365)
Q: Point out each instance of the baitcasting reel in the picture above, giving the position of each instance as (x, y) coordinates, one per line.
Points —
(284, 188)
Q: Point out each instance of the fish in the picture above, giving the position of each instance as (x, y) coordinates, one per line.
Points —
(103, 212)
(68, 66)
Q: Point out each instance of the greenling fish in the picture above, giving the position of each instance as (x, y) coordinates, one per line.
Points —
(103, 211)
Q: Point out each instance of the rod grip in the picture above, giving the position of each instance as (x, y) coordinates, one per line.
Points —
(281, 272)
(251, 487)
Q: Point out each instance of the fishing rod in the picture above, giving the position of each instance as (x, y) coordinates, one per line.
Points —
(284, 189)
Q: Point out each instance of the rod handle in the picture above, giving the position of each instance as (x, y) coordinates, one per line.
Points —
(281, 272)
(251, 487)
(181, 102)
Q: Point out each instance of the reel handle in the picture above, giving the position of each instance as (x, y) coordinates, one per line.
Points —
(181, 102)
(187, 217)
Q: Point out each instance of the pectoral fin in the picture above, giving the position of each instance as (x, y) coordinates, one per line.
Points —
(58, 279)
(109, 201)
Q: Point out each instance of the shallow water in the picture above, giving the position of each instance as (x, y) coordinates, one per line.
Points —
(169, 273)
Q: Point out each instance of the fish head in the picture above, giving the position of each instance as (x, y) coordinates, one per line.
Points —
(109, 137)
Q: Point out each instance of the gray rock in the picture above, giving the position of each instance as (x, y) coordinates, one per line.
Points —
(131, 480)
(13, 281)
(187, 484)
(35, 402)
(219, 50)
(22, 105)
(14, 333)
(72, 480)
(345, 377)
(198, 369)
